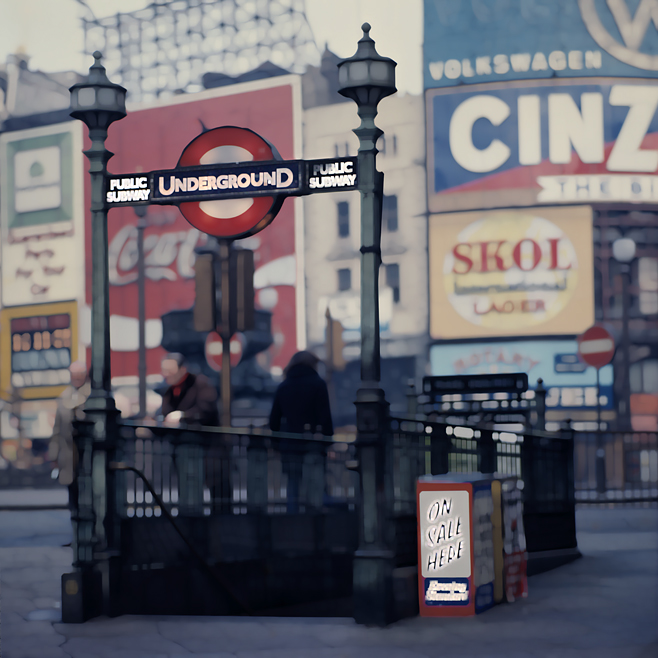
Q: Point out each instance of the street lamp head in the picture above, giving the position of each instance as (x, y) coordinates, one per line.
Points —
(98, 102)
(366, 77)
(623, 250)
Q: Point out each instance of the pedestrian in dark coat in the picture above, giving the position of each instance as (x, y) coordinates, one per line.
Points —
(192, 396)
(301, 404)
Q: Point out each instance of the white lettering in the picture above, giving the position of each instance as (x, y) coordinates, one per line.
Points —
(453, 69)
(461, 133)
(467, 69)
(283, 177)
(483, 65)
(557, 60)
(529, 130)
(222, 182)
(539, 62)
(568, 127)
(436, 70)
(576, 59)
(520, 62)
(626, 154)
(192, 184)
(501, 64)
(164, 190)
(593, 59)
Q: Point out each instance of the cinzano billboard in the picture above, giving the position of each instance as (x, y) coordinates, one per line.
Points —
(554, 142)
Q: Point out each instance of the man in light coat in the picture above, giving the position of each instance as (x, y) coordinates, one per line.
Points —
(62, 449)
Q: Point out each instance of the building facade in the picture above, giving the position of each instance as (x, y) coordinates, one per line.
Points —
(542, 151)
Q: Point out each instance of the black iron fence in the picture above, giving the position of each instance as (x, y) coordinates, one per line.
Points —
(616, 467)
(245, 519)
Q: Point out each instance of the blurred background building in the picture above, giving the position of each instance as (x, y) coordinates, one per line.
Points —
(533, 149)
(541, 129)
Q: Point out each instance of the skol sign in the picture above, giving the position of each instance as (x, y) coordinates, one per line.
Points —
(510, 273)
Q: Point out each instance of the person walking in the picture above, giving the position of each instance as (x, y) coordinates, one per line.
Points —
(301, 404)
(62, 449)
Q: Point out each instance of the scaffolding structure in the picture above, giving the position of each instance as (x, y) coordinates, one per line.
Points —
(168, 46)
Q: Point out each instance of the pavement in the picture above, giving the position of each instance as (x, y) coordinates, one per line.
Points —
(604, 605)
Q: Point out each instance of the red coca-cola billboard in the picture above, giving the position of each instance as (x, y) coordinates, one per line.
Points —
(154, 137)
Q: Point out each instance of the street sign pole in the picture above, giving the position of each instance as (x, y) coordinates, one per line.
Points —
(225, 331)
(598, 399)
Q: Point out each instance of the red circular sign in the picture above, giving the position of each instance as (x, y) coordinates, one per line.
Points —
(230, 218)
(214, 346)
(596, 346)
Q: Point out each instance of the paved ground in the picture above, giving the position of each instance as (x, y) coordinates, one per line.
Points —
(604, 605)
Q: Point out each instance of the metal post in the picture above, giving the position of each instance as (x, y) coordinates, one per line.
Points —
(625, 388)
(225, 331)
(600, 447)
(373, 561)
(100, 407)
(98, 103)
(140, 211)
(367, 78)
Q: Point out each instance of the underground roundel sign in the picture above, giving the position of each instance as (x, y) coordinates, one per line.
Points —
(229, 218)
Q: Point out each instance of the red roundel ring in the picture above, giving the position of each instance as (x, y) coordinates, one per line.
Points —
(263, 209)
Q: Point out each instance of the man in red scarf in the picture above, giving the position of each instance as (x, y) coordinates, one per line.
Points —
(190, 399)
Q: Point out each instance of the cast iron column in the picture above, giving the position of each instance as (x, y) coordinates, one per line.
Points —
(367, 78)
(98, 103)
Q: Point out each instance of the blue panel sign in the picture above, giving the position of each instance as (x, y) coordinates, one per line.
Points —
(551, 360)
(552, 142)
(447, 591)
(489, 40)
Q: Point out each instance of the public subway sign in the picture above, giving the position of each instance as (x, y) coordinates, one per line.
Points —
(542, 143)
(240, 180)
(493, 40)
(511, 273)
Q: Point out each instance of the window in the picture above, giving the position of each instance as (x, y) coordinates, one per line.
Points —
(343, 208)
(390, 212)
(644, 376)
(381, 145)
(393, 280)
(344, 279)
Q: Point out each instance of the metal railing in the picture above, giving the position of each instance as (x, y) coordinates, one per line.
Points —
(629, 462)
(208, 471)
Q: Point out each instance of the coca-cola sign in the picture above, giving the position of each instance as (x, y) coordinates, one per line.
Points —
(167, 256)
(511, 272)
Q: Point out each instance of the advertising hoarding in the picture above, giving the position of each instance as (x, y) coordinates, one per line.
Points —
(152, 138)
(570, 384)
(559, 141)
(41, 214)
(511, 273)
(38, 344)
(490, 40)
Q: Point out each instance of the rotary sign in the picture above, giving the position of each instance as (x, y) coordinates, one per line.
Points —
(230, 182)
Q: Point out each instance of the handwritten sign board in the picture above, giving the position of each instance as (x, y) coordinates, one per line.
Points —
(455, 545)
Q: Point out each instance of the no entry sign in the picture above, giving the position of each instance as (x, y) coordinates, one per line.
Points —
(214, 347)
(231, 182)
(596, 346)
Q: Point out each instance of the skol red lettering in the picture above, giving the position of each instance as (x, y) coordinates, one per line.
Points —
(555, 255)
(518, 255)
(456, 252)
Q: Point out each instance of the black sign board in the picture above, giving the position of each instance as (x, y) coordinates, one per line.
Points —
(229, 181)
(467, 384)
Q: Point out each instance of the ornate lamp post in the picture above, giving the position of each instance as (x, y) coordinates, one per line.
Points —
(367, 78)
(97, 102)
(623, 251)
